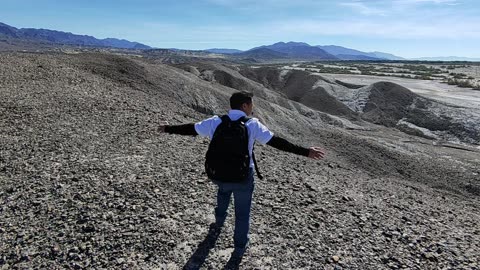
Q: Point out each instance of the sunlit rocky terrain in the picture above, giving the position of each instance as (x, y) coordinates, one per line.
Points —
(86, 181)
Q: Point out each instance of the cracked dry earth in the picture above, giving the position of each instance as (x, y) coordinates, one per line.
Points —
(86, 182)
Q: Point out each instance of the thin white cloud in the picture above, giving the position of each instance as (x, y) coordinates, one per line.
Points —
(254, 3)
(267, 5)
(406, 2)
(416, 24)
(363, 8)
(428, 27)
(387, 29)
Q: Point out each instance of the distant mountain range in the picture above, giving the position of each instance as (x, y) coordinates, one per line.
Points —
(298, 50)
(262, 54)
(351, 54)
(447, 58)
(65, 38)
(223, 51)
(301, 50)
(388, 56)
(281, 50)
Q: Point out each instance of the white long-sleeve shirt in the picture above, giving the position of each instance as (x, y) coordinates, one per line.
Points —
(256, 130)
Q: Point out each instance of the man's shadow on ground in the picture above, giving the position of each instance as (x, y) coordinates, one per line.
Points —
(201, 253)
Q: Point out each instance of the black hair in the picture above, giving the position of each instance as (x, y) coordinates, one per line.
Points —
(239, 98)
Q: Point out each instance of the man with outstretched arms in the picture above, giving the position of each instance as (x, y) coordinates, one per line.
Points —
(230, 159)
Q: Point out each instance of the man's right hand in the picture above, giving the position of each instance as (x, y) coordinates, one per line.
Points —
(316, 153)
(161, 127)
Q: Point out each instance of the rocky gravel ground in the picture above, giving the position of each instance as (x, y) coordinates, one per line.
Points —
(86, 181)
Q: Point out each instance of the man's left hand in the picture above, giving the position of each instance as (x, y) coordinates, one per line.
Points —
(316, 153)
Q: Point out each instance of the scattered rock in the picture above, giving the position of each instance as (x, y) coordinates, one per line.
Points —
(88, 229)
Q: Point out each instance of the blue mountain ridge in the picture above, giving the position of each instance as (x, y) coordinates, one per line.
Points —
(59, 37)
(294, 50)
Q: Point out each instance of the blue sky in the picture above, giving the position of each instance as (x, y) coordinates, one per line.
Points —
(408, 28)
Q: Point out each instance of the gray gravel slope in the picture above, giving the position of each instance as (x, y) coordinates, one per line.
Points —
(87, 182)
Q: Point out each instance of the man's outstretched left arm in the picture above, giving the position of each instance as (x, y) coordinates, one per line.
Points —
(284, 145)
(265, 136)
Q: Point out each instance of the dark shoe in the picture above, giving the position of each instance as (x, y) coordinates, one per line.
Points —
(238, 252)
(214, 230)
(219, 221)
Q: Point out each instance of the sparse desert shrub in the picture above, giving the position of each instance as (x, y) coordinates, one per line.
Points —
(427, 74)
(388, 70)
(465, 84)
(422, 68)
(462, 83)
(451, 81)
(405, 76)
(334, 70)
(423, 77)
(458, 75)
(367, 73)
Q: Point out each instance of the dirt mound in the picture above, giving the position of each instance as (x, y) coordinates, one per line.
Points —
(229, 76)
(299, 86)
(387, 103)
(268, 76)
(349, 85)
(119, 69)
(225, 75)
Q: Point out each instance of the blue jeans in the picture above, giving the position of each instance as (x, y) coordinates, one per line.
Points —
(242, 194)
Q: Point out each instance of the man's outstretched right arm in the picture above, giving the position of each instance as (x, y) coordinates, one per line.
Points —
(203, 128)
(186, 129)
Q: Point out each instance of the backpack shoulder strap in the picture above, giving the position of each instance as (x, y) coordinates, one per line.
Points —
(245, 119)
(225, 118)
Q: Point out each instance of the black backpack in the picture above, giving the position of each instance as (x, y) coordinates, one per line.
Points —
(227, 157)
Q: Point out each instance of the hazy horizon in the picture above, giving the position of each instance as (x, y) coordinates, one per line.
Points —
(406, 28)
